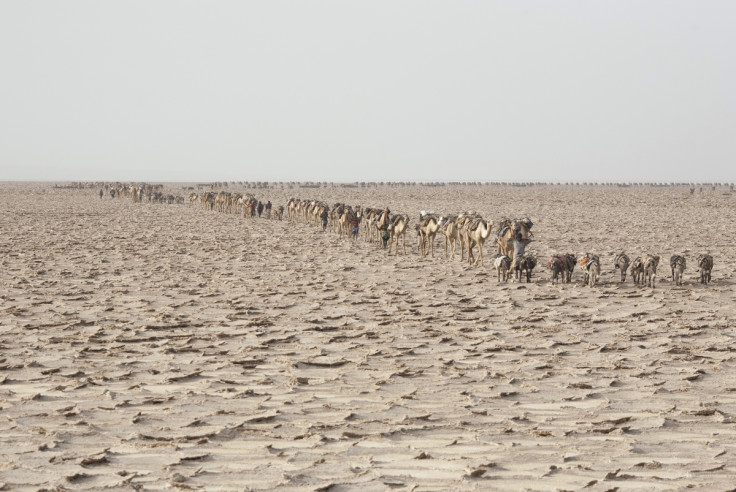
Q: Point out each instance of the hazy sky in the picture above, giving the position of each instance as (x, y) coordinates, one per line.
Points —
(368, 90)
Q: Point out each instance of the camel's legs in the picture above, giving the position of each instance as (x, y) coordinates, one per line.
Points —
(480, 255)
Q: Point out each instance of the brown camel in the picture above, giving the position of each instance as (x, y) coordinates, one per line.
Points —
(462, 223)
(344, 221)
(476, 234)
(292, 209)
(427, 232)
(449, 229)
(397, 228)
(370, 216)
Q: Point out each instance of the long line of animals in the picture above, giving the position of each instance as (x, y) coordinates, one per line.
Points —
(467, 230)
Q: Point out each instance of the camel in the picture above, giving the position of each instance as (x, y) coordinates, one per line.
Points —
(448, 225)
(299, 208)
(622, 263)
(305, 209)
(208, 201)
(462, 223)
(380, 222)
(398, 227)
(249, 206)
(383, 217)
(192, 198)
(334, 216)
(677, 264)
(705, 265)
(427, 232)
(524, 266)
(369, 219)
(225, 202)
(279, 213)
(502, 263)
(316, 212)
(476, 233)
(220, 199)
(291, 209)
(507, 230)
(313, 213)
(650, 263)
(238, 203)
(343, 223)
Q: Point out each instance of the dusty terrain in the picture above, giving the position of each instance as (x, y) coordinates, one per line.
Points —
(162, 346)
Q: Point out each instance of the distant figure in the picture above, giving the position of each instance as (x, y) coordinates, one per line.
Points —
(101, 193)
(324, 215)
(355, 227)
(385, 235)
(519, 245)
(260, 209)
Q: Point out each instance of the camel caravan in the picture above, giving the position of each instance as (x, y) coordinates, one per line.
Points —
(138, 192)
(468, 231)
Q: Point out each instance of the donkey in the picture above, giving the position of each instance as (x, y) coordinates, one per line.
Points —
(677, 263)
(622, 263)
(584, 265)
(525, 265)
(591, 265)
(705, 265)
(502, 263)
(558, 265)
(570, 260)
(637, 270)
(650, 269)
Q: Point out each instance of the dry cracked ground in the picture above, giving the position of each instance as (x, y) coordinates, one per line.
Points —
(147, 346)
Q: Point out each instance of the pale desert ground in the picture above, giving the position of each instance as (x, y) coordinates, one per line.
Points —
(147, 346)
